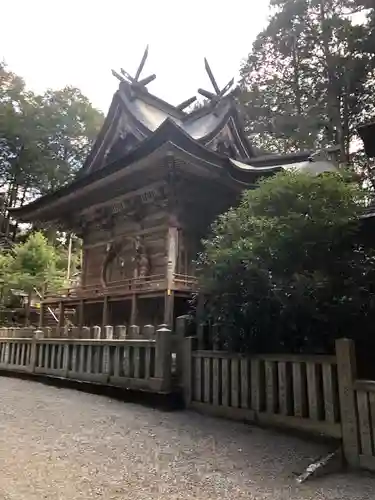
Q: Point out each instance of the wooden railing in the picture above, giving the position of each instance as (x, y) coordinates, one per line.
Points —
(182, 282)
(365, 406)
(132, 364)
(299, 392)
(148, 283)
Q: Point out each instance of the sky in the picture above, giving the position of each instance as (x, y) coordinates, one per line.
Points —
(77, 42)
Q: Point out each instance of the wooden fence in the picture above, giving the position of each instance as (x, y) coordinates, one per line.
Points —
(133, 364)
(300, 392)
(317, 394)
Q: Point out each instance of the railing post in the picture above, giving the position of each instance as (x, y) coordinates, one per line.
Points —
(38, 334)
(347, 374)
(96, 332)
(187, 369)
(163, 358)
(148, 332)
(121, 332)
(134, 332)
(66, 360)
(108, 329)
(85, 332)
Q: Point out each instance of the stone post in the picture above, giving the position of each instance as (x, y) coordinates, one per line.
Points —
(108, 330)
(163, 357)
(121, 332)
(96, 332)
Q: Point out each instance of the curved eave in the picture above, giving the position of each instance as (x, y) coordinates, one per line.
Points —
(63, 200)
(225, 113)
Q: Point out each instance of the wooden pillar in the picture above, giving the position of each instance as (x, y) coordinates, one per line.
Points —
(172, 255)
(200, 320)
(81, 313)
(105, 311)
(133, 313)
(347, 374)
(61, 314)
(41, 314)
(168, 308)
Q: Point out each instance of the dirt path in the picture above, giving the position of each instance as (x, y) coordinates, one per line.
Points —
(67, 445)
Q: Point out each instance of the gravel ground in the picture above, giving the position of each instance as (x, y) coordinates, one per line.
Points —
(66, 445)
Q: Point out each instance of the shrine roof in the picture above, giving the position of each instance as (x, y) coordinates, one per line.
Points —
(136, 111)
(142, 130)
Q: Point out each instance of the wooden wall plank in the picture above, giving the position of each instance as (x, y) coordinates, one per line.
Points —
(271, 387)
(245, 386)
(216, 382)
(82, 352)
(225, 382)
(137, 362)
(198, 379)
(315, 400)
(364, 423)
(257, 385)
(372, 419)
(285, 382)
(126, 362)
(53, 356)
(148, 363)
(299, 389)
(207, 379)
(235, 383)
(330, 408)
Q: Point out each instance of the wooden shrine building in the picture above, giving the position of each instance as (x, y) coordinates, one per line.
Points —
(156, 178)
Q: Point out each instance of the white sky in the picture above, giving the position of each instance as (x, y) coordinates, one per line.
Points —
(55, 43)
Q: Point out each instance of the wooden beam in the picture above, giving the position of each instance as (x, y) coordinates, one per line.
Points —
(105, 311)
(169, 308)
(61, 314)
(81, 313)
(141, 66)
(186, 103)
(134, 312)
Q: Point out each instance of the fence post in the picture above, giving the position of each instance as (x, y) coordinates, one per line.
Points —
(38, 334)
(108, 329)
(66, 360)
(85, 332)
(347, 373)
(121, 332)
(163, 358)
(96, 332)
(187, 369)
(181, 329)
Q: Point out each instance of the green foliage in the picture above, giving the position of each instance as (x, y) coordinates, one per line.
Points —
(309, 80)
(44, 139)
(285, 271)
(33, 264)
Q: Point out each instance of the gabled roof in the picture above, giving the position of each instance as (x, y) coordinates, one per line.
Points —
(108, 182)
(140, 130)
(136, 111)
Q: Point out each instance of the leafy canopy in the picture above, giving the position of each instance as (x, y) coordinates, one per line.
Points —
(32, 265)
(286, 269)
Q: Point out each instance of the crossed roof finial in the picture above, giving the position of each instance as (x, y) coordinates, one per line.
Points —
(218, 93)
(136, 82)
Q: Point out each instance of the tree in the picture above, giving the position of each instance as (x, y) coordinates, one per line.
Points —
(309, 80)
(286, 269)
(34, 264)
(44, 139)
